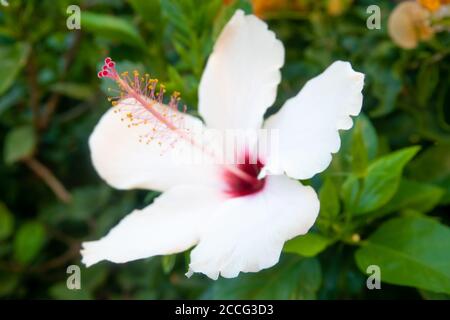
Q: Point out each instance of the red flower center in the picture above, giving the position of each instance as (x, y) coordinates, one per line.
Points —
(238, 186)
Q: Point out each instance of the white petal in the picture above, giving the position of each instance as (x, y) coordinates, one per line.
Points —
(170, 225)
(124, 162)
(308, 124)
(242, 74)
(247, 234)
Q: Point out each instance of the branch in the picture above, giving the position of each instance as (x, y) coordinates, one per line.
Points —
(49, 178)
(57, 262)
(60, 261)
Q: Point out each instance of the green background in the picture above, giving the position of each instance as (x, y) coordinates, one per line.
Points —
(384, 199)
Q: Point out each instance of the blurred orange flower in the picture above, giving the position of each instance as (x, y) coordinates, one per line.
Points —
(433, 5)
(408, 24)
(337, 7)
(262, 8)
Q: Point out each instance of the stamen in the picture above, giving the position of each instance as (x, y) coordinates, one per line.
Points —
(151, 110)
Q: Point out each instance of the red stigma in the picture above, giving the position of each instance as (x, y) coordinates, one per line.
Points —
(239, 187)
(108, 69)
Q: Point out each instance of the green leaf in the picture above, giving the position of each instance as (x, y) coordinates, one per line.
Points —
(410, 251)
(140, 274)
(168, 262)
(308, 245)
(11, 98)
(93, 277)
(445, 185)
(150, 11)
(86, 201)
(111, 27)
(73, 90)
(6, 222)
(413, 195)
(12, 59)
(427, 80)
(146, 294)
(359, 152)
(432, 165)
(350, 192)
(227, 12)
(60, 291)
(369, 135)
(329, 200)
(20, 143)
(292, 278)
(29, 241)
(8, 283)
(429, 295)
(342, 161)
(151, 196)
(381, 183)
(386, 88)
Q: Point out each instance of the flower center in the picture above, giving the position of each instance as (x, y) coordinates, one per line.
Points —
(238, 186)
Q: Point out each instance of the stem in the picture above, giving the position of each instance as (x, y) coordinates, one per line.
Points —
(49, 178)
(60, 261)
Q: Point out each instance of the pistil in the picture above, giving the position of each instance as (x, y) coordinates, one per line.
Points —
(148, 101)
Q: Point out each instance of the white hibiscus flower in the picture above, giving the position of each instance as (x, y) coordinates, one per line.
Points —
(237, 217)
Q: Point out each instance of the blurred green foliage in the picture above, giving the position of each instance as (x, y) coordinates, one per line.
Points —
(384, 199)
